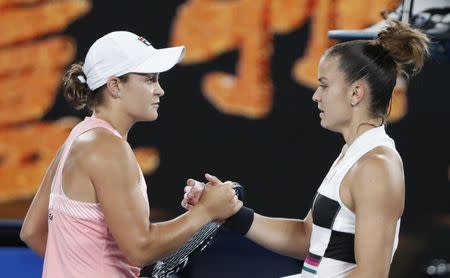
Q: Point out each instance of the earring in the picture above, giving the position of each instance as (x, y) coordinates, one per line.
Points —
(352, 104)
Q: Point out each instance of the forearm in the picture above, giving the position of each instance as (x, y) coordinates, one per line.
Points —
(288, 237)
(34, 228)
(165, 238)
(359, 272)
(356, 273)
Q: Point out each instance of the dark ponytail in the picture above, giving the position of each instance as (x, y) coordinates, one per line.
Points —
(77, 92)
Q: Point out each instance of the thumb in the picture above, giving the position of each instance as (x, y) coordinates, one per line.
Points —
(212, 179)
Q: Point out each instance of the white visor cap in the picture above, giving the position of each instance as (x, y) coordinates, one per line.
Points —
(121, 52)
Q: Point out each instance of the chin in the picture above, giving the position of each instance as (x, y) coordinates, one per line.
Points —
(323, 124)
(148, 117)
(152, 118)
(327, 126)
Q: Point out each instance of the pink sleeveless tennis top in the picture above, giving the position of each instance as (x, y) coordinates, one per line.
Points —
(79, 243)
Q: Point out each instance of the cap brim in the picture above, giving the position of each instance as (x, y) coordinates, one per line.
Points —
(161, 60)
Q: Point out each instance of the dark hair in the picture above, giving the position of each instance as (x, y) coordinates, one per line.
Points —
(398, 49)
(78, 93)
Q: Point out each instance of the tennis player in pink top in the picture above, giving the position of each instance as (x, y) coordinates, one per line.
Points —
(90, 216)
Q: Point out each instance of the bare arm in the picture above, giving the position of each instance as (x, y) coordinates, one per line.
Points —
(289, 237)
(35, 226)
(378, 195)
(114, 173)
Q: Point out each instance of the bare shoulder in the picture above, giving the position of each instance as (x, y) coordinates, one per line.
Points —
(102, 152)
(378, 176)
(380, 163)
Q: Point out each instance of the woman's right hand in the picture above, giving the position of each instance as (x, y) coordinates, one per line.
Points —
(193, 191)
(218, 199)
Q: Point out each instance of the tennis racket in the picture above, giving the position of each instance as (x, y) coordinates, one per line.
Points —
(196, 244)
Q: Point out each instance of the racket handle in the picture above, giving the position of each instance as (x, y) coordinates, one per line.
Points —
(239, 190)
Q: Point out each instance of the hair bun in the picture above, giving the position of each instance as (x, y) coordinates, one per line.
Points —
(406, 45)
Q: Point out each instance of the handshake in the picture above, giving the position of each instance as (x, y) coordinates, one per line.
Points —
(193, 190)
(221, 200)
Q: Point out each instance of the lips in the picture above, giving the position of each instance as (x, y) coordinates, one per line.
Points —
(321, 112)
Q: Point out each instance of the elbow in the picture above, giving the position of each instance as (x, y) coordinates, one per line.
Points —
(140, 260)
(29, 238)
(26, 236)
(145, 248)
(137, 261)
(37, 241)
(141, 254)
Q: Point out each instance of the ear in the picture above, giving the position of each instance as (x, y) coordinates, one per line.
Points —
(113, 85)
(357, 94)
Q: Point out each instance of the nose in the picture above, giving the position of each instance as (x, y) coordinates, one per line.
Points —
(159, 91)
(315, 96)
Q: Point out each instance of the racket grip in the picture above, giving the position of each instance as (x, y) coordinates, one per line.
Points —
(243, 219)
(239, 190)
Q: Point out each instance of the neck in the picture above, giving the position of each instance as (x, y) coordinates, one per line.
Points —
(119, 122)
(358, 127)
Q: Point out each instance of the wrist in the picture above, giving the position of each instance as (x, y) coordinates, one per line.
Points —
(202, 213)
(241, 221)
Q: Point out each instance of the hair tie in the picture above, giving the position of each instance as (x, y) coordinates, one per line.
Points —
(82, 79)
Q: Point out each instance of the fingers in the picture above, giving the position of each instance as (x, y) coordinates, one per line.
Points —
(229, 184)
(192, 193)
(191, 196)
(184, 204)
(212, 179)
(199, 186)
(190, 189)
(191, 183)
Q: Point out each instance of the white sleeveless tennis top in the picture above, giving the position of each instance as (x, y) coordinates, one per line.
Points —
(331, 252)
